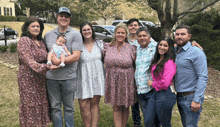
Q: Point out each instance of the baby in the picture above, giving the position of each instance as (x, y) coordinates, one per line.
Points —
(60, 50)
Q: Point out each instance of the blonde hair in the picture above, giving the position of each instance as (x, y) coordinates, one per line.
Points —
(120, 25)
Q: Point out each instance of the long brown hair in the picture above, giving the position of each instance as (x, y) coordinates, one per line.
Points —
(170, 54)
(93, 32)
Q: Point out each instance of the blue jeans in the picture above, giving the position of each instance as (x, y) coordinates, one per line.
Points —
(164, 100)
(148, 107)
(188, 117)
(61, 92)
(136, 114)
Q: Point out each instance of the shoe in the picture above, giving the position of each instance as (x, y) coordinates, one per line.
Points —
(49, 63)
(62, 64)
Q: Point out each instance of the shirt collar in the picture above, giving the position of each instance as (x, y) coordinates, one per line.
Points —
(129, 39)
(58, 33)
(185, 47)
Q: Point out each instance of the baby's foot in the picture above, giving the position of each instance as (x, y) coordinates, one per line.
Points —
(62, 64)
(49, 63)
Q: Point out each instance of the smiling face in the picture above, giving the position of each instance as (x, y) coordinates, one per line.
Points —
(143, 39)
(63, 19)
(163, 47)
(133, 27)
(86, 32)
(120, 35)
(34, 29)
(61, 41)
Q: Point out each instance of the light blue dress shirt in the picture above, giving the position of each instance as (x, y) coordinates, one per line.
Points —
(192, 72)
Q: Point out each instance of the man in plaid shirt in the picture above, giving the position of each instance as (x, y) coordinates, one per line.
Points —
(145, 53)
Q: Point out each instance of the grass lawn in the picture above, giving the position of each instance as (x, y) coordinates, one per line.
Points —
(9, 102)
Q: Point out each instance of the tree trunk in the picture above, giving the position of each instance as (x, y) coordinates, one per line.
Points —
(166, 32)
(104, 21)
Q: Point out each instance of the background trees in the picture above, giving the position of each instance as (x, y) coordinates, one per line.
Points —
(205, 28)
(167, 12)
(171, 11)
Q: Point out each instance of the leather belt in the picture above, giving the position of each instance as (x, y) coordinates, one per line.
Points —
(182, 94)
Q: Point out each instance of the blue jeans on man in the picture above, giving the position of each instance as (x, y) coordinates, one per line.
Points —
(147, 104)
(188, 117)
(61, 92)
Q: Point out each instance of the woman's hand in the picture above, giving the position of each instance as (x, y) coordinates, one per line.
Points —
(194, 43)
(149, 82)
(52, 67)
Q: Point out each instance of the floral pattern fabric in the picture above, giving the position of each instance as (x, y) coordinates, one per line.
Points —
(119, 80)
(33, 107)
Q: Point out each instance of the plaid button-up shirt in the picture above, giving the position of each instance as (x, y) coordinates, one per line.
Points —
(143, 61)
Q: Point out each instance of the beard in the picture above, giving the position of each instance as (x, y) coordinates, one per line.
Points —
(181, 43)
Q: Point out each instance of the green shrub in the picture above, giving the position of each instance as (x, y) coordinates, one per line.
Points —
(21, 18)
(3, 48)
(8, 18)
(13, 47)
(206, 32)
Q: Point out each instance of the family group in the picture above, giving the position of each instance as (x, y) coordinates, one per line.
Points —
(133, 70)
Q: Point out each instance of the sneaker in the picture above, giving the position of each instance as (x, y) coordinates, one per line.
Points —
(62, 64)
(49, 63)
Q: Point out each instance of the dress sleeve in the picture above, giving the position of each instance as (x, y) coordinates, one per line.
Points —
(100, 44)
(26, 57)
(105, 47)
(165, 79)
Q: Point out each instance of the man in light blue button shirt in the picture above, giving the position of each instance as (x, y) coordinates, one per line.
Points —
(191, 77)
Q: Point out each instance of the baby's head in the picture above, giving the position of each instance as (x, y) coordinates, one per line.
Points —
(61, 40)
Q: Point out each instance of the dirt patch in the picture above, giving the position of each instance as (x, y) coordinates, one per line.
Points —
(9, 57)
(212, 86)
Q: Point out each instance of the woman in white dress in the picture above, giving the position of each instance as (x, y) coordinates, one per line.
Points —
(90, 73)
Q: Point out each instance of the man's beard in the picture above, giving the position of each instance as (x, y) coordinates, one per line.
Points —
(182, 43)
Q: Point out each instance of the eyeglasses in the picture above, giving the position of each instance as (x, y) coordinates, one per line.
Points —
(86, 29)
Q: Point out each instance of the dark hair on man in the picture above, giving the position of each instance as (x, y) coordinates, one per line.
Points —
(26, 24)
(133, 20)
(143, 29)
(169, 55)
(93, 32)
(181, 26)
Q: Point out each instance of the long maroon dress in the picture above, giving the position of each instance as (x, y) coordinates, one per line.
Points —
(33, 107)
(119, 80)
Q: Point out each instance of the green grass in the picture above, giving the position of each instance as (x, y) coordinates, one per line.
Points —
(9, 103)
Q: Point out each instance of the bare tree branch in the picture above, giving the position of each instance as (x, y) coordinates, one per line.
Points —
(199, 10)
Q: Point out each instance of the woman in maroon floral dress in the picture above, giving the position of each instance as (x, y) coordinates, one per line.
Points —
(119, 58)
(33, 107)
